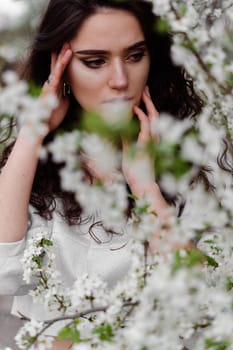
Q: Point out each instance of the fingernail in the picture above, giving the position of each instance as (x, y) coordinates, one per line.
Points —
(66, 46)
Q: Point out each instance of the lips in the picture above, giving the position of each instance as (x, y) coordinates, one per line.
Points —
(117, 100)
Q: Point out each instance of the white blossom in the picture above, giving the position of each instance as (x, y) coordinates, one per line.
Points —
(161, 7)
(192, 150)
(81, 347)
(101, 153)
(88, 291)
(171, 130)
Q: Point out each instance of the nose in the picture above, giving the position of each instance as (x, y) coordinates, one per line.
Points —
(118, 77)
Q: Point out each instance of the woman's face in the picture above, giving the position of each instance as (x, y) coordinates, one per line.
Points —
(110, 64)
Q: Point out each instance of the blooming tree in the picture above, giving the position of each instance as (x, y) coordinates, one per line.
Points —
(173, 295)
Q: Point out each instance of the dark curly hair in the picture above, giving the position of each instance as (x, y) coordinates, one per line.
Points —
(171, 89)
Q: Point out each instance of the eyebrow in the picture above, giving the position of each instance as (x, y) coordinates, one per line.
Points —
(133, 47)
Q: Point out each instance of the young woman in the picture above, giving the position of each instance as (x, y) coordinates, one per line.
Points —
(100, 52)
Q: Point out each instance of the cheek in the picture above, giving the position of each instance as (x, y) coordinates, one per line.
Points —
(79, 79)
(143, 72)
(139, 79)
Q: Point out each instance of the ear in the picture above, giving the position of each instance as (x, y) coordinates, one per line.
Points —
(66, 90)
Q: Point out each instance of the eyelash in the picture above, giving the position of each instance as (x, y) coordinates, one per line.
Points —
(137, 56)
(99, 62)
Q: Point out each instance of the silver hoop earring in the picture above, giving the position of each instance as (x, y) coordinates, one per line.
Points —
(66, 91)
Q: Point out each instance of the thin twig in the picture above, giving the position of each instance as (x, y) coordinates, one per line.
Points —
(199, 58)
(146, 247)
(44, 279)
(49, 323)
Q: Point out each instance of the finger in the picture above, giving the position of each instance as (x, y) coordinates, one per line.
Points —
(59, 63)
(54, 56)
(144, 134)
(150, 107)
(152, 113)
(60, 67)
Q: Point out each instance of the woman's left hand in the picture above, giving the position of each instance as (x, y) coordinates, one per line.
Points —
(139, 170)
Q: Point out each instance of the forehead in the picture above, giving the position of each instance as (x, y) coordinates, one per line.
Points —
(108, 28)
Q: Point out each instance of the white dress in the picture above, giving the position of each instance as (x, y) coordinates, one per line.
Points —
(77, 253)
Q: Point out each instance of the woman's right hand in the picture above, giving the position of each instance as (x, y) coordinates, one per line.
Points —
(54, 85)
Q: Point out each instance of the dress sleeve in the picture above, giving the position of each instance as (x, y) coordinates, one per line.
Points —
(11, 271)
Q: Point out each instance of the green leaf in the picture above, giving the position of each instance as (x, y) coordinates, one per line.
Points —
(211, 261)
(31, 340)
(37, 260)
(216, 345)
(168, 160)
(229, 79)
(46, 242)
(209, 241)
(64, 333)
(33, 89)
(162, 26)
(191, 258)
(140, 210)
(190, 45)
(76, 322)
(105, 332)
(195, 257)
(93, 122)
(70, 333)
(75, 336)
(132, 196)
(229, 284)
(178, 261)
(183, 9)
(180, 167)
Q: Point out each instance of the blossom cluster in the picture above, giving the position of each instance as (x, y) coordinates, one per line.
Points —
(15, 100)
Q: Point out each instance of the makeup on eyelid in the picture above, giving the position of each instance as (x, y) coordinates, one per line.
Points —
(97, 62)
(96, 58)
